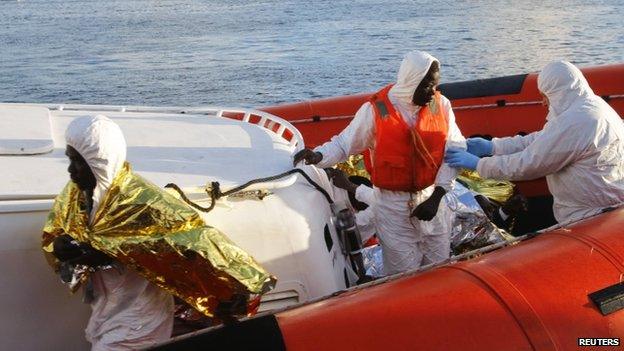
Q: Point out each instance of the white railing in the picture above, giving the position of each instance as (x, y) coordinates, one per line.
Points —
(265, 120)
(262, 119)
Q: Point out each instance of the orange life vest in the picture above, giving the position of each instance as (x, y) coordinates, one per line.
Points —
(404, 158)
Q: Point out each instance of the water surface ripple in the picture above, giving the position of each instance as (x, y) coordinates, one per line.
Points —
(252, 53)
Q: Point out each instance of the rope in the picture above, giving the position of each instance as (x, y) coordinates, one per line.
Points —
(457, 108)
(215, 189)
(191, 203)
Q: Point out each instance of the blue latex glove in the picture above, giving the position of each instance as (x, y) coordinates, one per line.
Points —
(479, 146)
(460, 158)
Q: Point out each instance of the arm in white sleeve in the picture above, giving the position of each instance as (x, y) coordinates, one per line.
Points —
(365, 221)
(555, 147)
(511, 145)
(355, 138)
(446, 174)
(365, 194)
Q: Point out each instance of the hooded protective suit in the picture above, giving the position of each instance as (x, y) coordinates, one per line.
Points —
(580, 150)
(128, 312)
(407, 242)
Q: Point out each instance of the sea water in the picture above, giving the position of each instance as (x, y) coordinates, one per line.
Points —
(254, 53)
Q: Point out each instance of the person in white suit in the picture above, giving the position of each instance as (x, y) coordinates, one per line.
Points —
(580, 150)
(406, 126)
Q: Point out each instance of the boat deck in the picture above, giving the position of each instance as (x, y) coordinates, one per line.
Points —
(186, 147)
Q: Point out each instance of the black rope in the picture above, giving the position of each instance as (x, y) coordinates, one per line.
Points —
(189, 202)
(215, 190)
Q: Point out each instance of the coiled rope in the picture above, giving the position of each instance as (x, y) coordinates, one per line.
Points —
(215, 189)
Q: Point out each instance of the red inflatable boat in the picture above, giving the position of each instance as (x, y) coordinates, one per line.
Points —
(503, 106)
(557, 290)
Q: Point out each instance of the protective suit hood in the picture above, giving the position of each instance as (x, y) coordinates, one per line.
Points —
(102, 144)
(563, 84)
(580, 150)
(414, 68)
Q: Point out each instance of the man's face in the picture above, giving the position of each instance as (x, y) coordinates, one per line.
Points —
(427, 87)
(79, 171)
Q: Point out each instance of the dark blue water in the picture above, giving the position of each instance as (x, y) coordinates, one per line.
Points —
(251, 53)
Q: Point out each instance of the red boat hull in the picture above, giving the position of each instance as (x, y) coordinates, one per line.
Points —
(532, 296)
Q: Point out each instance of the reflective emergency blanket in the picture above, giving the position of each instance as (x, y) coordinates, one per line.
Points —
(354, 166)
(373, 261)
(162, 238)
(471, 229)
(497, 190)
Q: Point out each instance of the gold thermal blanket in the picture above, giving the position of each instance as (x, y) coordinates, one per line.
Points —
(497, 190)
(162, 238)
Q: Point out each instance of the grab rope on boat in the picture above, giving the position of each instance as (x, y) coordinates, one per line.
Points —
(215, 189)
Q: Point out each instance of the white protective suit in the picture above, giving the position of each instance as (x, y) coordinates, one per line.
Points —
(365, 219)
(580, 150)
(407, 242)
(128, 312)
